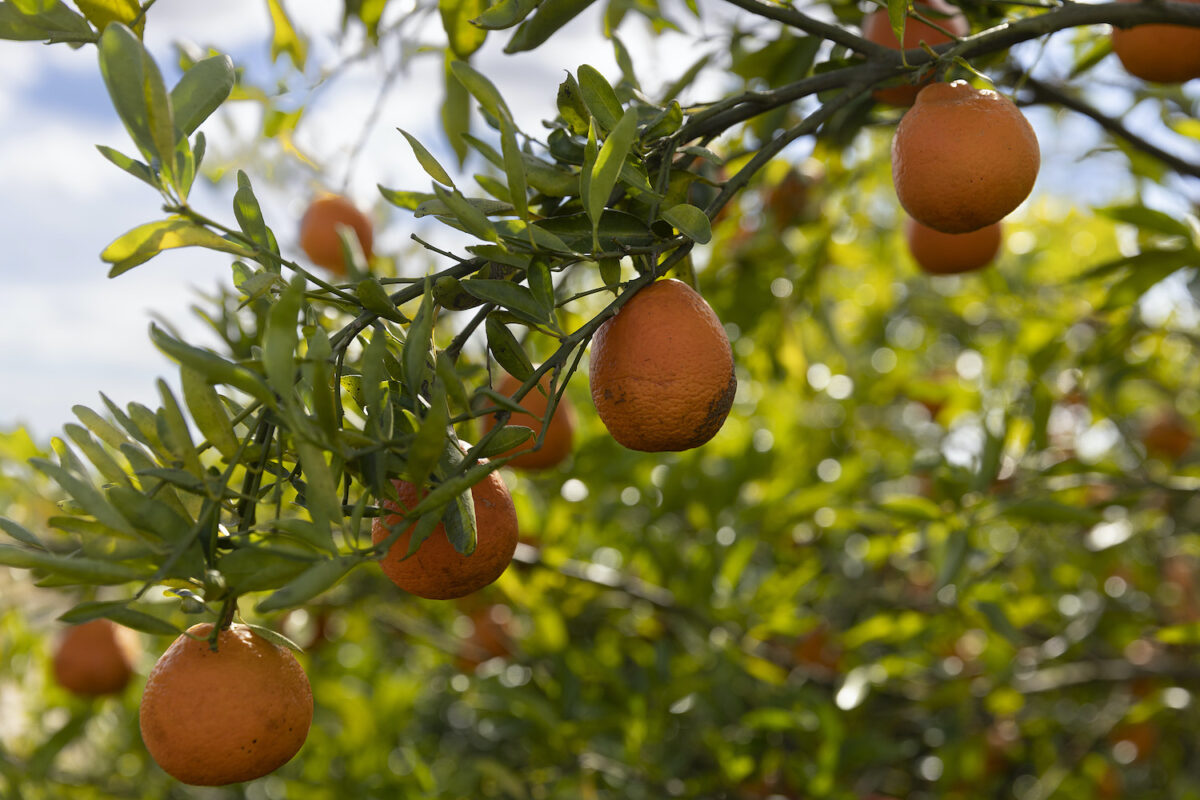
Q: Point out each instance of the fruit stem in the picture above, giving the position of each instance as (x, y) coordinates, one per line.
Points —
(228, 609)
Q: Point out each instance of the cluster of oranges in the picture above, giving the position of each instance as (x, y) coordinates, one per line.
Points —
(230, 706)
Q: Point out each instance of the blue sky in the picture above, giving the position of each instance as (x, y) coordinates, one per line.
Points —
(69, 332)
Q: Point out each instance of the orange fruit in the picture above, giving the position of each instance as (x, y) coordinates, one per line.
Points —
(878, 28)
(210, 718)
(950, 253)
(963, 158)
(557, 444)
(1167, 437)
(95, 658)
(1159, 53)
(662, 370)
(437, 571)
(319, 231)
(490, 636)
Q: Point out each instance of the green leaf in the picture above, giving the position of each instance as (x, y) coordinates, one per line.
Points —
(999, 621)
(608, 168)
(599, 97)
(318, 578)
(285, 39)
(404, 199)
(201, 91)
(666, 123)
(898, 16)
(376, 300)
(571, 107)
(514, 167)
(86, 495)
(551, 15)
(691, 222)
(1187, 633)
(208, 412)
(281, 337)
(617, 229)
(1147, 219)
(101, 12)
(505, 14)
(72, 569)
(249, 216)
(456, 111)
(507, 350)
(250, 569)
(1126, 292)
(459, 523)
(418, 344)
(457, 16)
(178, 436)
(134, 167)
(51, 21)
(480, 88)
(159, 520)
(427, 161)
(509, 295)
(137, 91)
(105, 464)
(485, 206)
(20, 533)
(212, 366)
(120, 612)
(146, 241)
(1041, 510)
(320, 495)
(427, 446)
(541, 283)
(911, 506)
(473, 220)
(505, 439)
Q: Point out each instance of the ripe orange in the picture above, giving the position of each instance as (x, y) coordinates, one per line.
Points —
(1167, 437)
(950, 253)
(878, 28)
(437, 571)
(95, 658)
(212, 718)
(1159, 53)
(557, 444)
(319, 231)
(491, 636)
(662, 370)
(963, 158)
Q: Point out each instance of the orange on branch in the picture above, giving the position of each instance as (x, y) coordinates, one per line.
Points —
(437, 571)
(211, 718)
(95, 658)
(877, 28)
(963, 158)
(559, 435)
(950, 253)
(662, 370)
(319, 231)
(1159, 53)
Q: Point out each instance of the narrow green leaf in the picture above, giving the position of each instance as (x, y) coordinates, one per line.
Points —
(281, 337)
(430, 441)
(105, 430)
(1000, 622)
(376, 300)
(898, 16)
(105, 464)
(418, 344)
(480, 88)
(250, 569)
(320, 496)
(507, 350)
(591, 151)
(73, 569)
(120, 612)
(505, 14)
(101, 12)
(464, 38)
(318, 578)
(178, 436)
(249, 216)
(571, 107)
(201, 91)
(20, 533)
(505, 439)
(456, 111)
(427, 161)
(460, 524)
(1147, 219)
(208, 412)
(514, 167)
(146, 241)
(284, 38)
(541, 283)
(472, 219)
(599, 97)
(691, 222)
(122, 61)
(86, 495)
(551, 15)
(151, 515)
(608, 168)
(134, 167)
(509, 295)
(212, 366)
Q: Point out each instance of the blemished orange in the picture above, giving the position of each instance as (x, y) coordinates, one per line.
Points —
(661, 370)
(559, 436)
(95, 658)
(319, 231)
(211, 718)
(878, 28)
(1159, 53)
(963, 158)
(951, 253)
(436, 571)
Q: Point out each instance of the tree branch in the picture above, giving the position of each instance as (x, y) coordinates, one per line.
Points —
(825, 30)
(1046, 93)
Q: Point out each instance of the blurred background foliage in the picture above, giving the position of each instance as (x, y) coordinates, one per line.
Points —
(945, 545)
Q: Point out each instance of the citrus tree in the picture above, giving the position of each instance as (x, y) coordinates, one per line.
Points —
(835, 521)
